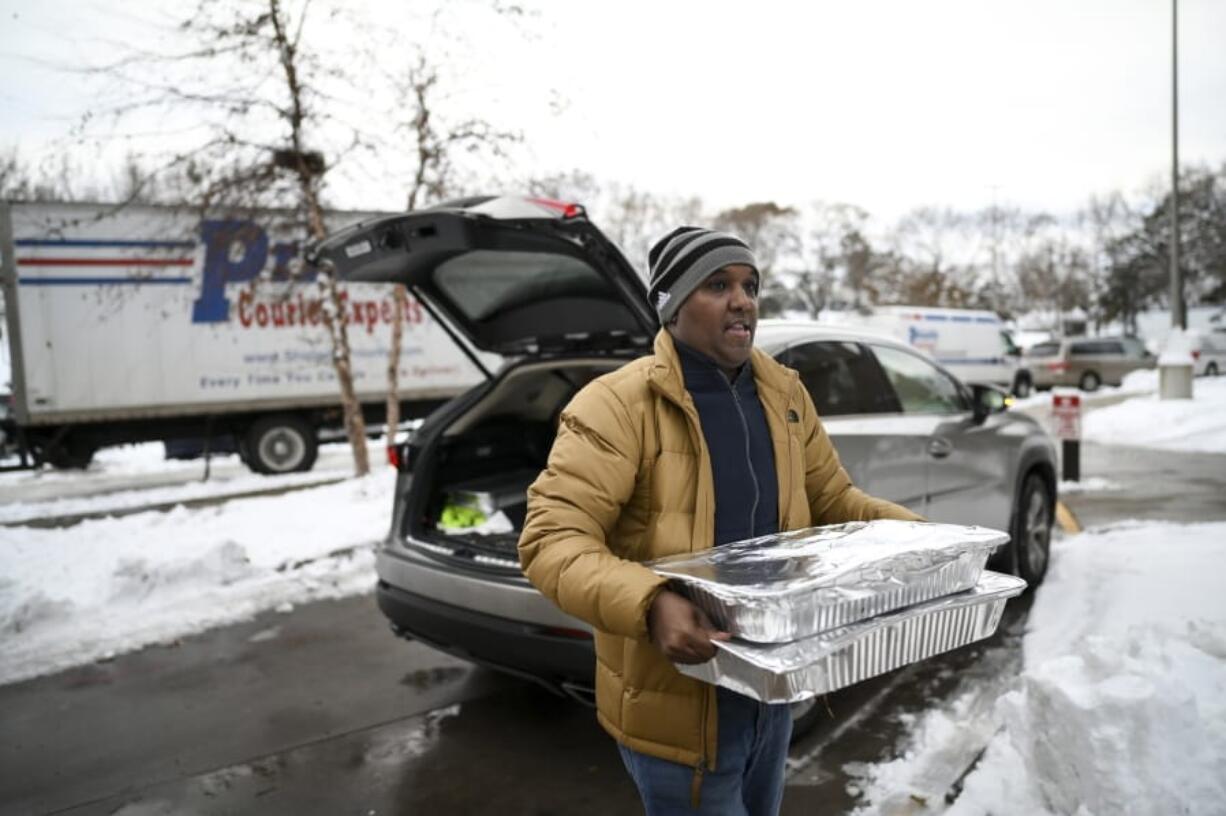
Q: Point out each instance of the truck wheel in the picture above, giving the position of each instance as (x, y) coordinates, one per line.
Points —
(70, 454)
(280, 444)
(1032, 520)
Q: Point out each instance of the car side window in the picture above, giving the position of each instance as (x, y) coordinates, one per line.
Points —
(922, 388)
(842, 378)
(1045, 350)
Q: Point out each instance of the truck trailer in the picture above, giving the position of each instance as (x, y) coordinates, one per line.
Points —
(198, 328)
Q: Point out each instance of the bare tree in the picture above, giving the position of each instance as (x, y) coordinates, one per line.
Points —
(436, 142)
(1109, 219)
(435, 177)
(927, 240)
(1055, 274)
(836, 246)
(770, 229)
(307, 168)
(269, 131)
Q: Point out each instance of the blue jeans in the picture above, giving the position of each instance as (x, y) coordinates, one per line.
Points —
(748, 777)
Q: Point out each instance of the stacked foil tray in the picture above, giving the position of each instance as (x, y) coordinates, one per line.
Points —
(818, 609)
(789, 672)
(786, 586)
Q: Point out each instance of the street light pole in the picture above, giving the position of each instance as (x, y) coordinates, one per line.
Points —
(1179, 318)
(1175, 362)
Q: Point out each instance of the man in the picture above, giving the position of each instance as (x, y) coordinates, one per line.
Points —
(706, 441)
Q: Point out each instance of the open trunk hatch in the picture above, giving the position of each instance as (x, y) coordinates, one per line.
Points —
(514, 276)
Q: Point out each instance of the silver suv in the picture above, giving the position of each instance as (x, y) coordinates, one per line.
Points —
(538, 283)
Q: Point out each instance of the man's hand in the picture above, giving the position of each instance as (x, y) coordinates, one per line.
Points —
(681, 630)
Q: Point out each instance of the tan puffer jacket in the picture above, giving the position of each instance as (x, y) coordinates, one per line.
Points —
(629, 479)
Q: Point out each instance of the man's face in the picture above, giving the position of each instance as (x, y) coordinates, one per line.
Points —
(719, 318)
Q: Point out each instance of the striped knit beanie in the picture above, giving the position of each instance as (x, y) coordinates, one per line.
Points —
(680, 261)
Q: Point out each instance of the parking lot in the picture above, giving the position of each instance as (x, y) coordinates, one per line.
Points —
(321, 709)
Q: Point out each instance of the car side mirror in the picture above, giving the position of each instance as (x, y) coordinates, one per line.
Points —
(987, 400)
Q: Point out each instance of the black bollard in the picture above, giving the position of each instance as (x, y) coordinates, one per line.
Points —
(1071, 460)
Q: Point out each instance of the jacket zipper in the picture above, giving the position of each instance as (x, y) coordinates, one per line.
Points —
(787, 427)
(757, 489)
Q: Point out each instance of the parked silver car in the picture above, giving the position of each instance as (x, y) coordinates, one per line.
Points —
(538, 283)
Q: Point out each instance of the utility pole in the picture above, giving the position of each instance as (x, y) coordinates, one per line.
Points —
(1179, 319)
(1175, 363)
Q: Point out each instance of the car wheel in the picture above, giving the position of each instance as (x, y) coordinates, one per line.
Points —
(1090, 381)
(1032, 521)
(1022, 387)
(281, 444)
(1211, 370)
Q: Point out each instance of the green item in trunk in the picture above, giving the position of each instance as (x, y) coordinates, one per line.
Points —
(460, 517)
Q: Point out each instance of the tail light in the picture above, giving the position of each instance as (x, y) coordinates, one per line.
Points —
(567, 209)
(1196, 354)
(398, 457)
(1058, 367)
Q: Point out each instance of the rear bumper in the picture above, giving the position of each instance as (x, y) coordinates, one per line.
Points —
(504, 625)
(562, 663)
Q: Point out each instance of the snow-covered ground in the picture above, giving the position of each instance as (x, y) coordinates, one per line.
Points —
(1135, 416)
(1121, 706)
(1198, 424)
(101, 587)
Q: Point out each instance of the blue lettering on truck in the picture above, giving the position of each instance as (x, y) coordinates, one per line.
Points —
(222, 265)
(918, 337)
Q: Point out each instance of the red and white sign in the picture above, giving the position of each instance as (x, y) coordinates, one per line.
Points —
(1066, 415)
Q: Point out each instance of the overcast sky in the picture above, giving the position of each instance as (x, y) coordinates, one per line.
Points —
(886, 103)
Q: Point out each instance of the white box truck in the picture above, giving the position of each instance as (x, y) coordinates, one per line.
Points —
(138, 323)
(972, 343)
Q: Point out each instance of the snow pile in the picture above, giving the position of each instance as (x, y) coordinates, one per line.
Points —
(73, 595)
(1094, 484)
(1124, 725)
(1122, 705)
(1198, 424)
(119, 500)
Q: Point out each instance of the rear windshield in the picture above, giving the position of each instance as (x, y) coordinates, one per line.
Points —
(484, 283)
(1045, 350)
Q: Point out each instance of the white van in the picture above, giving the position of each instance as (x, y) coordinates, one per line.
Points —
(973, 344)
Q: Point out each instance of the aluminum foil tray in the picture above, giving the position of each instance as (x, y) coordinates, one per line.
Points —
(779, 588)
(788, 672)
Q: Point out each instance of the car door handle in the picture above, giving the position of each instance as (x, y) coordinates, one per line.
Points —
(939, 447)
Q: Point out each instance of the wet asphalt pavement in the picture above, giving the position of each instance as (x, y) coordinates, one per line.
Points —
(322, 710)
